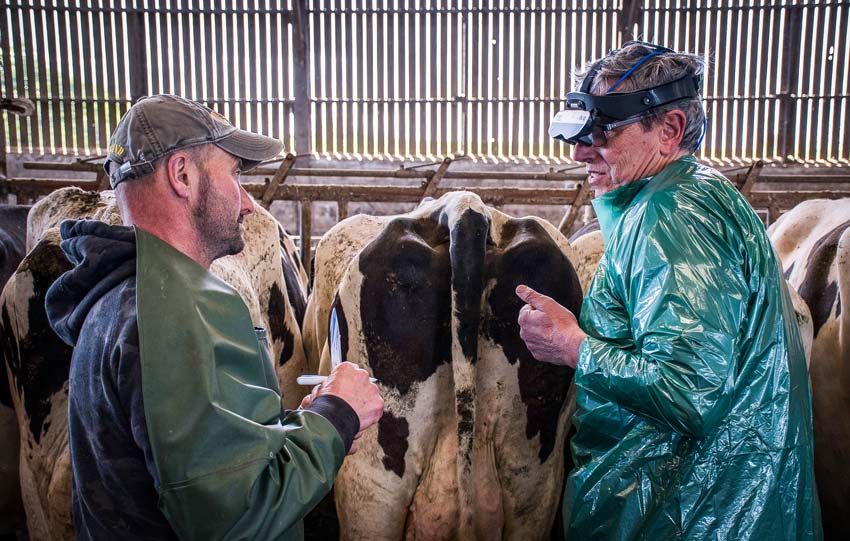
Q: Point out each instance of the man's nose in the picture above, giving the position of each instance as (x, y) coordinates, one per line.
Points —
(583, 153)
(246, 201)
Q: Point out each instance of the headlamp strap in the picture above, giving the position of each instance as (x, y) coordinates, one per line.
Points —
(633, 68)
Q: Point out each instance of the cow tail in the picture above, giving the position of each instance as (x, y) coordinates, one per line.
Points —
(468, 229)
(842, 257)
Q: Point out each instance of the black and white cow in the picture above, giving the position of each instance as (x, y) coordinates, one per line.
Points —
(472, 439)
(38, 363)
(813, 242)
(13, 229)
(589, 247)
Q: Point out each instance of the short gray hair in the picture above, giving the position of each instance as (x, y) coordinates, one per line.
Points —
(655, 71)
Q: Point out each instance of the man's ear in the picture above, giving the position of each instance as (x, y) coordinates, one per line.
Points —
(178, 169)
(673, 125)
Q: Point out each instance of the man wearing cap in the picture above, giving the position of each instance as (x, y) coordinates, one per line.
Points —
(693, 410)
(175, 421)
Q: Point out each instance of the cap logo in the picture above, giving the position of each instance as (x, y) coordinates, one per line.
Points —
(218, 118)
(117, 149)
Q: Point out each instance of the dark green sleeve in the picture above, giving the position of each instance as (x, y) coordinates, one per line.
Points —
(263, 499)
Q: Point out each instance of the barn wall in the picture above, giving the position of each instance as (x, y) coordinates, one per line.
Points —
(420, 79)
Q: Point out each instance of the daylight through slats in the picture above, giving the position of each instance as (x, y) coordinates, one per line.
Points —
(420, 79)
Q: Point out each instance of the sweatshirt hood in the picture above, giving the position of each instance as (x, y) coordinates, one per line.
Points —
(103, 256)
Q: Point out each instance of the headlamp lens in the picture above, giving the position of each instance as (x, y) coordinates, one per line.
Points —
(569, 124)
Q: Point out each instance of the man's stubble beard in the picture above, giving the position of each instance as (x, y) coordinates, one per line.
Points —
(218, 239)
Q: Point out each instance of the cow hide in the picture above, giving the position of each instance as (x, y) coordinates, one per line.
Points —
(472, 439)
(813, 242)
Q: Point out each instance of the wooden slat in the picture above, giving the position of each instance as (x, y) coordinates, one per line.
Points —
(103, 117)
(572, 213)
(8, 121)
(29, 126)
(278, 179)
(435, 51)
(75, 137)
(42, 107)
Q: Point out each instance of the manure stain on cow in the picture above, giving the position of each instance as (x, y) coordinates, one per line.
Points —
(277, 324)
(528, 255)
(818, 294)
(465, 423)
(393, 433)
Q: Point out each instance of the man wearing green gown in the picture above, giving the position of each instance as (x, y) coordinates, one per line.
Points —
(175, 420)
(693, 406)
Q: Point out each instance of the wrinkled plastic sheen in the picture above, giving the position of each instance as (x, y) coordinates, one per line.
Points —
(231, 464)
(693, 404)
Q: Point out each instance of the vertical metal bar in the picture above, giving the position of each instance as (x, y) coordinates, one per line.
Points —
(788, 84)
(300, 74)
(138, 53)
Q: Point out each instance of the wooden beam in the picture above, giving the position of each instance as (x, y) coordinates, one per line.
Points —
(750, 178)
(413, 194)
(430, 185)
(137, 55)
(278, 179)
(102, 180)
(341, 210)
(573, 212)
(627, 20)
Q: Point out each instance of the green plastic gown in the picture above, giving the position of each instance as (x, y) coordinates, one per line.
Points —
(231, 464)
(694, 416)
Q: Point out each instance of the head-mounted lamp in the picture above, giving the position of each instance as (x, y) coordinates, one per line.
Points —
(586, 112)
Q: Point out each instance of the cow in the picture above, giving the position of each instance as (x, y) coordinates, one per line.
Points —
(813, 242)
(13, 229)
(472, 438)
(37, 362)
(589, 247)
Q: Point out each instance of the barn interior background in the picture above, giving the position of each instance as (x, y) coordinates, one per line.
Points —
(383, 102)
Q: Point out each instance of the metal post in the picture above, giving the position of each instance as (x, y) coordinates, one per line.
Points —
(628, 18)
(301, 76)
(788, 83)
(138, 55)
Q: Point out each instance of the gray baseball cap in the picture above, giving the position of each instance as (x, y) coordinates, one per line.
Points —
(156, 126)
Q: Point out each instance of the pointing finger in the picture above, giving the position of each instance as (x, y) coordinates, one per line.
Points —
(537, 301)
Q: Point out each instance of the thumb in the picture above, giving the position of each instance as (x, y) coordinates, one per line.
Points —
(538, 301)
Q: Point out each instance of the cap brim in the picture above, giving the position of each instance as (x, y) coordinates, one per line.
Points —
(251, 148)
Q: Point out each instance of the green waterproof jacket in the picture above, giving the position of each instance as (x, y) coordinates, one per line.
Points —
(231, 464)
(694, 416)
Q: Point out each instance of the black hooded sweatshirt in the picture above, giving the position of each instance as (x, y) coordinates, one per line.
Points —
(93, 308)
